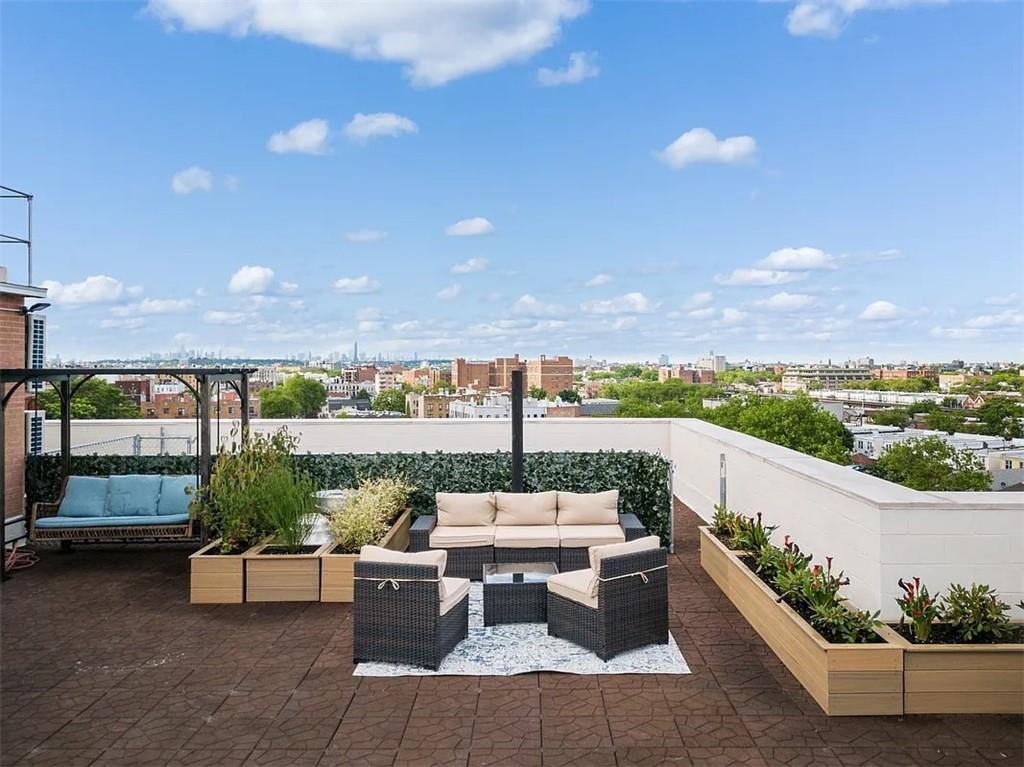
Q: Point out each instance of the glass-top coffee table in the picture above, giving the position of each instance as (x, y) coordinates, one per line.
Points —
(517, 592)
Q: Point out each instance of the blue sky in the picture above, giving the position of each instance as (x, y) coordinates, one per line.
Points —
(768, 180)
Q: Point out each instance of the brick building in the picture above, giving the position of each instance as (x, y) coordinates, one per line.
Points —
(136, 388)
(470, 374)
(687, 375)
(552, 374)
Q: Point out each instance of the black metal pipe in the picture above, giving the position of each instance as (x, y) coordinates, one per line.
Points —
(517, 431)
(3, 493)
(65, 427)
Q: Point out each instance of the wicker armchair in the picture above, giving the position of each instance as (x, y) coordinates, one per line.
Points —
(630, 608)
(398, 617)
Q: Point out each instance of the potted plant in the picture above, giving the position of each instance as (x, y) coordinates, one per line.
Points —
(376, 513)
(844, 657)
(232, 509)
(286, 567)
(962, 653)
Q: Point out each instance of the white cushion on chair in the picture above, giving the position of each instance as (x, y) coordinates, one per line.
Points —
(588, 508)
(464, 509)
(575, 585)
(437, 558)
(597, 553)
(455, 591)
(526, 536)
(579, 536)
(526, 508)
(461, 537)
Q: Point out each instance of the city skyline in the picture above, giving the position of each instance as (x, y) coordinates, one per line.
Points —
(615, 181)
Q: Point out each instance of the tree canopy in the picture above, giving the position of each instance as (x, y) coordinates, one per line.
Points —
(389, 401)
(298, 397)
(94, 399)
(537, 393)
(570, 395)
(931, 464)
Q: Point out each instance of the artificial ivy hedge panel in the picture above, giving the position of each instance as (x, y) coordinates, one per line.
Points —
(642, 479)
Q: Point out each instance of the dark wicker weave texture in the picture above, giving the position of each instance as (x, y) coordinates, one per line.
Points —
(630, 613)
(573, 559)
(462, 562)
(404, 625)
(515, 603)
(545, 554)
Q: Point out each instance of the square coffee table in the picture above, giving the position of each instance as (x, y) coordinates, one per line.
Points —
(517, 592)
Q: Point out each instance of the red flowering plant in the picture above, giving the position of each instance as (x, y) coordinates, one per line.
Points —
(919, 607)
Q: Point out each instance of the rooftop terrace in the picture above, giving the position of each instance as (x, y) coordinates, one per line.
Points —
(105, 662)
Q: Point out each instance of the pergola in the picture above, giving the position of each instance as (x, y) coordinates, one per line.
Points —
(67, 382)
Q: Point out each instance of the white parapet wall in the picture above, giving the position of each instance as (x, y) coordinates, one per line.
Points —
(877, 532)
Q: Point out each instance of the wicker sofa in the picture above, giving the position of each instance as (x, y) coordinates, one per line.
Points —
(480, 528)
(619, 603)
(119, 507)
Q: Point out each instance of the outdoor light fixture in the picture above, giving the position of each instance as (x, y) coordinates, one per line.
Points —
(36, 307)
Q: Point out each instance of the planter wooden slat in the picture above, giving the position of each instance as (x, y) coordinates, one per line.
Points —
(282, 577)
(844, 680)
(337, 570)
(215, 578)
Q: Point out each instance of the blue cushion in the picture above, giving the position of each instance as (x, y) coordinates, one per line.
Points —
(148, 519)
(173, 498)
(132, 495)
(84, 497)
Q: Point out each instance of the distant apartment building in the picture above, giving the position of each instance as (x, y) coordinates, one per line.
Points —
(552, 374)
(500, 372)
(470, 374)
(805, 377)
(426, 376)
(136, 388)
(500, 406)
(388, 378)
(183, 405)
(713, 362)
(902, 373)
(434, 405)
(686, 374)
(948, 380)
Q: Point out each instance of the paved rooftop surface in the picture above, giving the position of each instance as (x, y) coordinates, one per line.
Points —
(105, 662)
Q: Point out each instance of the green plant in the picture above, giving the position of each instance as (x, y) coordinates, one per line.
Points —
(752, 534)
(724, 523)
(919, 606)
(771, 560)
(837, 621)
(366, 515)
(291, 509)
(976, 613)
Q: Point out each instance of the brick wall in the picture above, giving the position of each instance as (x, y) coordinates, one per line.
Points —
(12, 355)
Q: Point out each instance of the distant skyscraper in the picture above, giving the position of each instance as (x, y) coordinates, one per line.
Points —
(663, 359)
(355, 351)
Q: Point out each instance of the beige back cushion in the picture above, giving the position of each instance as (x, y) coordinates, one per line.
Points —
(526, 508)
(465, 509)
(436, 557)
(588, 508)
(597, 553)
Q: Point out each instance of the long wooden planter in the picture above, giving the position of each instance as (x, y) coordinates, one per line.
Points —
(282, 577)
(337, 570)
(844, 679)
(216, 578)
(962, 678)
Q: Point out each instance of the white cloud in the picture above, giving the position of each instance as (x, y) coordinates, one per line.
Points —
(582, 66)
(795, 259)
(731, 316)
(467, 267)
(251, 279)
(369, 313)
(630, 303)
(786, 302)
(363, 127)
(1004, 319)
(701, 146)
(889, 254)
(125, 323)
(192, 179)
(365, 235)
(879, 311)
(98, 288)
(450, 292)
(625, 323)
(362, 284)
(758, 277)
(955, 334)
(309, 137)
(702, 298)
(701, 314)
(200, 292)
(529, 306)
(150, 306)
(370, 326)
(599, 279)
(1003, 300)
(469, 227)
(826, 18)
(437, 40)
(288, 287)
(219, 317)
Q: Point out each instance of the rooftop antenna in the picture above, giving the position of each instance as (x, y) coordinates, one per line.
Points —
(7, 192)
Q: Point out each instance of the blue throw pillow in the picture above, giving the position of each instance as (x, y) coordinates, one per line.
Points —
(132, 495)
(84, 497)
(173, 498)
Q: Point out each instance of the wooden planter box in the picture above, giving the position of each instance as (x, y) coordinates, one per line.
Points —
(216, 578)
(962, 678)
(336, 570)
(282, 577)
(844, 679)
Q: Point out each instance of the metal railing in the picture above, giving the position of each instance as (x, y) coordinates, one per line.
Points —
(137, 445)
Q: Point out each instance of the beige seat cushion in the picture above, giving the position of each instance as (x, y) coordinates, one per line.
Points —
(575, 585)
(578, 536)
(461, 537)
(526, 536)
(526, 508)
(588, 508)
(437, 558)
(597, 553)
(464, 509)
(456, 590)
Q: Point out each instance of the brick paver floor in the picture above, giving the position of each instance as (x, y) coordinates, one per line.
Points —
(105, 662)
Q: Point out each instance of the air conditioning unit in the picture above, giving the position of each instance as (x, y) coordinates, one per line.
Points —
(35, 421)
(35, 347)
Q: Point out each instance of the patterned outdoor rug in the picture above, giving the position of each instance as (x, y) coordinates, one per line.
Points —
(518, 648)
